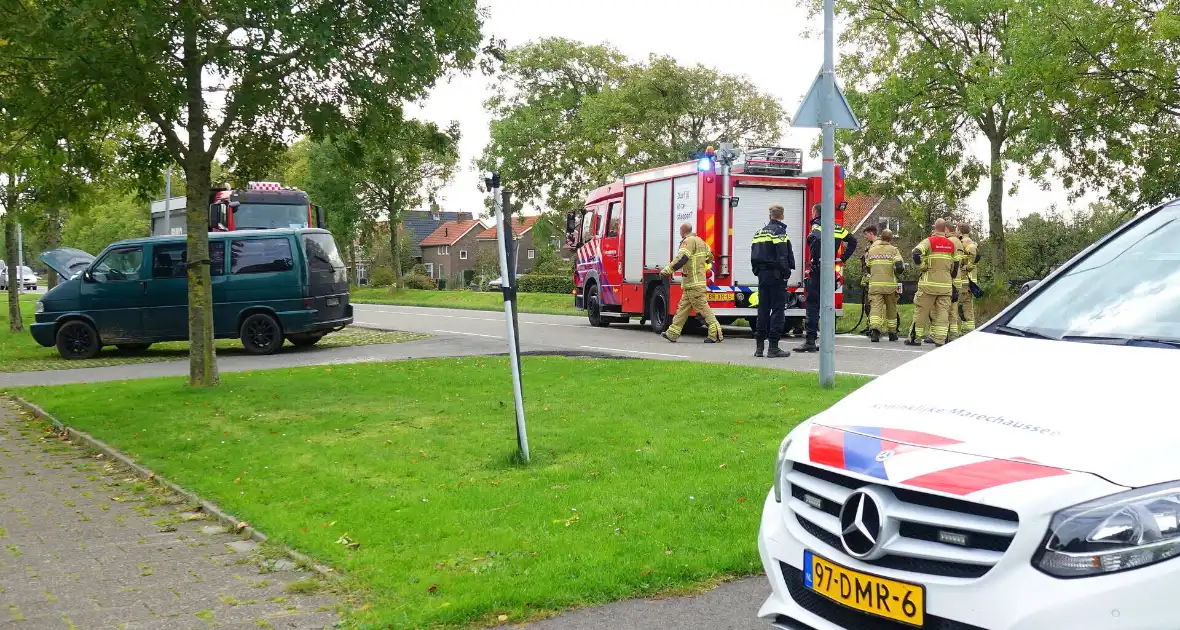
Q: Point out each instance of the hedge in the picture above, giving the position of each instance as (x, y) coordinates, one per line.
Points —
(533, 283)
(381, 277)
(417, 281)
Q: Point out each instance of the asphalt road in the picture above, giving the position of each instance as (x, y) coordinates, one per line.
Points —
(485, 329)
(466, 333)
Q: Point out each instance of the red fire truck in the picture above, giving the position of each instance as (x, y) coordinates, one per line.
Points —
(628, 231)
(262, 206)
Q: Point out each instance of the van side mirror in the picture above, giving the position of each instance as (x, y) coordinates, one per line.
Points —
(218, 215)
(571, 222)
(87, 276)
(319, 217)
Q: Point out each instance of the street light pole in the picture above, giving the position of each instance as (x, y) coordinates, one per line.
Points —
(508, 287)
(827, 261)
(168, 201)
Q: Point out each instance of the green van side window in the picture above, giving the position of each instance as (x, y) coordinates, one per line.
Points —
(120, 265)
(170, 261)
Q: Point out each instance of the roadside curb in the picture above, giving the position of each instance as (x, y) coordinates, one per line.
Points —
(207, 507)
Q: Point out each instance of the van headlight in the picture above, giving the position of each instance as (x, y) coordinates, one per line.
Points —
(778, 468)
(40, 307)
(1117, 533)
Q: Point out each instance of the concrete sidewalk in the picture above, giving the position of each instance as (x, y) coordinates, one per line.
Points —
(83, 545)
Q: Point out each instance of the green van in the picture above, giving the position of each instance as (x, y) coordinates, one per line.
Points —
(267, 285)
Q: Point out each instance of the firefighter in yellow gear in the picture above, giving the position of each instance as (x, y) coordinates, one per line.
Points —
(954, 319)
(936, 256)
(885, 264)
(967, 276)
(693, 259)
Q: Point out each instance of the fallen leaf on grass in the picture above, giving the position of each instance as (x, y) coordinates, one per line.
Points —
(433, 588)
(238, 480)
(502, 618)
(347, 541)
(241, 525)
(742, 500)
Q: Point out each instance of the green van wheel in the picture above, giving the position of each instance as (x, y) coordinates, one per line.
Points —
(77, 340)
(261, 334)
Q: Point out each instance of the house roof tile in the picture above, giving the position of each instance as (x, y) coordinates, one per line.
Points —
(520, 225)
(449, 233)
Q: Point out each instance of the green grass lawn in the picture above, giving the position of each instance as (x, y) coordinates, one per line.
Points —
(415, 463)
(539, 303)
(19, 353)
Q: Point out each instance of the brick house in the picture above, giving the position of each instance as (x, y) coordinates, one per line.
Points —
(420, 224)
(449, 251)
(522, 233)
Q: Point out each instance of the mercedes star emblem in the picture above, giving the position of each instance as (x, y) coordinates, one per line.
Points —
(860, 524)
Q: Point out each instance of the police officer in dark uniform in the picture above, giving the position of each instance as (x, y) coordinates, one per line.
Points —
(845, 246)
(773, 260)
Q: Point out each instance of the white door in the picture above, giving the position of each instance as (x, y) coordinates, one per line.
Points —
(752, 214)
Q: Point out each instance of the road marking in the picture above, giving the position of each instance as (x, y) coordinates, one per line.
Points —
(469, 334)
(475, 319)
(856, 374)
(654, 354)
(880, 349)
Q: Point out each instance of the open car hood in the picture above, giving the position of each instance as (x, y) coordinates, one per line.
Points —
(67, 261)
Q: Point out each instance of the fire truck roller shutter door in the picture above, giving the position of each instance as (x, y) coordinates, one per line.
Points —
(658, 250)
(633, 234)
(749, 217)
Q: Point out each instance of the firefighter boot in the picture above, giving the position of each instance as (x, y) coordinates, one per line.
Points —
(808, 345)
(759, 348)
(776, 352)
(892, 336)
(874, 335)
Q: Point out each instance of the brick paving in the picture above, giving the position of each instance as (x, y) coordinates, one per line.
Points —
(85, 545)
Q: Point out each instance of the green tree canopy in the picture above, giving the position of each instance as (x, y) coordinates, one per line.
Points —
(235, 76)
(927, 80)
(570, 117)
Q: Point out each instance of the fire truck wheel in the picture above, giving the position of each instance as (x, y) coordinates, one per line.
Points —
(594, 308)
(657, 310)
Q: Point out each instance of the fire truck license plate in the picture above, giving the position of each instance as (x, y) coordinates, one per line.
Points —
(867, 593)
(719, 297)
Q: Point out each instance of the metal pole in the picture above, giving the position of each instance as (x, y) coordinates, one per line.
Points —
(510, 297)
(827, 287)
(20, 261)
(513, 258)
(168, 201)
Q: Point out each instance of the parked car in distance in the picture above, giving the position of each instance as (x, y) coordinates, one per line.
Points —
(1032, 283)
(268, 285)
(25, 278)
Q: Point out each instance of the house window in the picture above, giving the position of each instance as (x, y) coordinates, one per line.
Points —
(462, 254)
(436, 216)
(444, 251)
(890, 223)
(532, 254)
(430, 269)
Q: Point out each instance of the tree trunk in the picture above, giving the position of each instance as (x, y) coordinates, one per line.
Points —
(15, 323)
(198, 166)
(394, 226)
(995, 212)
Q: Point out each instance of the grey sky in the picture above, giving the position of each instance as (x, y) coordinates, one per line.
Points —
(762, 39)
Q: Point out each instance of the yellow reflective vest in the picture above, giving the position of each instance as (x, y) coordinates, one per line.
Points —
(692, 260)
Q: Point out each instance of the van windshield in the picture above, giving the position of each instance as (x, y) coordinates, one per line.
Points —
(269, 216)
(1126, 290)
